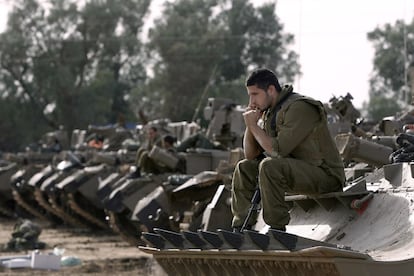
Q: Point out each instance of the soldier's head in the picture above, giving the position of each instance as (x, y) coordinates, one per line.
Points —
(263, 88)
(152, 132)
(263, 78)
(168, 141)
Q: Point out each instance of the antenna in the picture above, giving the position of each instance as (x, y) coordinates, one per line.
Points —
(405, 71)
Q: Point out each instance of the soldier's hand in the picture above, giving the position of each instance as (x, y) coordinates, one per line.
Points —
(251, 116)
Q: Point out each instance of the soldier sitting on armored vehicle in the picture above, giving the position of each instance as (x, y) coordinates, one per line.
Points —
(152, 138)
(96, 142)
(146, 159)
(161, 159)
(292, 151)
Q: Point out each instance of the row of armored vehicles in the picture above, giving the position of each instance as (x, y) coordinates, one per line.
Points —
(96, 181)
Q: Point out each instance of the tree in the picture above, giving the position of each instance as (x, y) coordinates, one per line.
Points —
(211, 44)
(394, 54)
(72, 64)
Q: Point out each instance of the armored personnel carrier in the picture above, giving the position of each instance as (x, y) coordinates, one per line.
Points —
(354, 232)
(365, 230)
(23, 193)
(68, 189)
(80, 187)
(28, 163)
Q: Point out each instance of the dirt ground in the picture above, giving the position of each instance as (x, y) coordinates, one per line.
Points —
(100, 252)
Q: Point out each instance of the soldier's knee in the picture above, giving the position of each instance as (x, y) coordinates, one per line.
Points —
(271, 164)
(242, 164)
(245, 165)
(274, 167)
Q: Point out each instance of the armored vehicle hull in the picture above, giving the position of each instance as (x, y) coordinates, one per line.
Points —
(366, 230)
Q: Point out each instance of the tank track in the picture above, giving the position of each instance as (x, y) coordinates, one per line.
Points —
(117, 226)
(7, 212)
(52, 207)
(84, 214)
(27, 207)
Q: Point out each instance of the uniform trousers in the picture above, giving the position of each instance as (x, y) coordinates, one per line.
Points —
(275, 177)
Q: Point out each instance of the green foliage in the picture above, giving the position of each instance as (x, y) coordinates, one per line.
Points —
(71, 64)
(18, 131)
(380, 107)
(394, 54)
(74, 63)
(210, 45)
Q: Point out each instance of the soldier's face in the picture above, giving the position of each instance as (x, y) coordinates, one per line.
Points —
(151, 133)
(259, 98)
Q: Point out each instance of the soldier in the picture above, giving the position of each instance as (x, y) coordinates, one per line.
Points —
(292, 151)
(161, 160)
(152, 138)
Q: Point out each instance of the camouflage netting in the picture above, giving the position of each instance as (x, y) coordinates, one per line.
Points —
(25, 236)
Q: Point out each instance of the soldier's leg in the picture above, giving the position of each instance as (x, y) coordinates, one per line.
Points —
(280, 175)
(243, 186)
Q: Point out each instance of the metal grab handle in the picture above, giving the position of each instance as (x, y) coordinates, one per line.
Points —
(358, 203)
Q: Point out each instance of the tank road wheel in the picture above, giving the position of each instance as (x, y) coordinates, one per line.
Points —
(5, 210)
(73, 204)
(121, 225)
(64, 215)
(55, 211)
(27, 207)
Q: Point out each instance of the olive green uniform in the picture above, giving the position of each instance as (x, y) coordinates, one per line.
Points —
(304, 160)
(142, 159)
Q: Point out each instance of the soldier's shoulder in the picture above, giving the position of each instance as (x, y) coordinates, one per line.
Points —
(303, 108)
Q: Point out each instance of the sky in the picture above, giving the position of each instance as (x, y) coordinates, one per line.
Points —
(330, 38)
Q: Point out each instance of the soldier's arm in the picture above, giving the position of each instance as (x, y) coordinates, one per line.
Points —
(255, 139)
(251, 148)
(263, 142)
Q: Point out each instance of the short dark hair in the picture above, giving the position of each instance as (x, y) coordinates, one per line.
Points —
(169, 139)
(263, 78)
